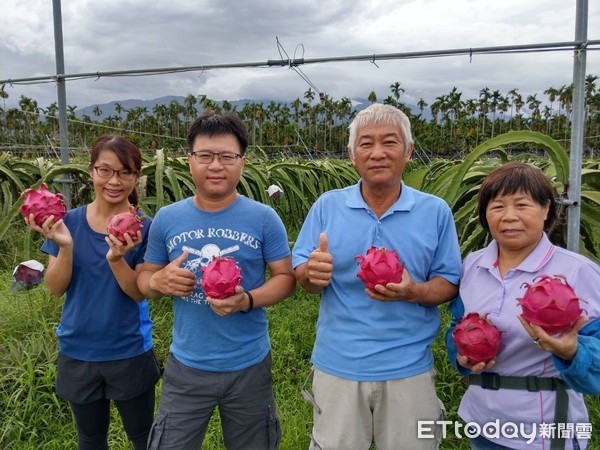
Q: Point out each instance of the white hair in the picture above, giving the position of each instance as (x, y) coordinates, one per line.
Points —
(378, 113)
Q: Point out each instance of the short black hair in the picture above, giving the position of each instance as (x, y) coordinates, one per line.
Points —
(211, 124)
(514, 177)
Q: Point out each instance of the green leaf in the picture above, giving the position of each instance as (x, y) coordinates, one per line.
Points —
(592, 196)
(158, 179)
(553, 148)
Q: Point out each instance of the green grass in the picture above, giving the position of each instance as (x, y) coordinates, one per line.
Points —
(33, 418)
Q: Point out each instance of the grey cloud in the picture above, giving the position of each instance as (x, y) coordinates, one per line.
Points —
(131, 34)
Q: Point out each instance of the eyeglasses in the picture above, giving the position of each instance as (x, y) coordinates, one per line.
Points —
(107, 172)
(225, 158)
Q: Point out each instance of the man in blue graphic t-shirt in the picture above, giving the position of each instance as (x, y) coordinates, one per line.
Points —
(220, 354)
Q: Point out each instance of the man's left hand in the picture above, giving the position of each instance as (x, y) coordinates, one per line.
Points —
(239, 301)
(395, 292)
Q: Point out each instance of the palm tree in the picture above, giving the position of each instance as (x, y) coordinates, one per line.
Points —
(552, 93)
(534, 106)
(346, 115)
(435, 108)
(31, 113)
(190, 111)
(3, 96)
(226, 105)
(455, 104)
(495, 99)
(516, 103)
(309, 95)
(174, 112)
(590, 92)
(247, 115)
(296, 106)
(119, 109)
(389, 100)
(71, 111)
(503, 106)
(548, 118)
(484, 96)
(421, 104)
(52, 116)
(397, 90)
(565, 97)
(259, 115)
(372, 97)
(160, 113)
(97, 111)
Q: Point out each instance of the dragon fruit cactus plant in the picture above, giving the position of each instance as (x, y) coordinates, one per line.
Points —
(220, 277)
(477, 338)
(126, 223)
(379, 266)
(551, 303)
(42, 204)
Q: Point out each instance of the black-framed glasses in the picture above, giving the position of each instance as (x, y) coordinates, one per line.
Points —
(225, 158)
(123, 174)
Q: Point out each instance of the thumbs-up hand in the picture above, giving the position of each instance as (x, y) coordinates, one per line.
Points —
(319, 267)
(323, 243)
(174, 279)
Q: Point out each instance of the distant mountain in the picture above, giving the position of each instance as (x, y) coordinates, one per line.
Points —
(108, 109)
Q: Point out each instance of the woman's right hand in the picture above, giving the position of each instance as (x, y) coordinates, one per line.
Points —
(57, 232)
(475, 368)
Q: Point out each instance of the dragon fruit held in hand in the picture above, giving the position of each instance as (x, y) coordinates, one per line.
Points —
(380, 266)
(220, 277)
(42, 203)
(125, 223)
(477, 338)
(551, 303)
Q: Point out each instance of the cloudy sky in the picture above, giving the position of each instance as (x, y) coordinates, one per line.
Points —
(140, 34)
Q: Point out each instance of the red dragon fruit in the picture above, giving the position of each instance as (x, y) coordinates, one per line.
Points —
(125, 223)
(380, 266)
(220, 277)
(477, 338)
(550, 303)
(28, 274)
(42, 203)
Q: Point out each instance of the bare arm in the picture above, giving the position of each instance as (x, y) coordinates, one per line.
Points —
(59, 271)
(281, 285)
(156, 280)
(60, 267)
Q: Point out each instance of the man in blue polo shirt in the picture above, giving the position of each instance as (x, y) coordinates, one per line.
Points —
(373, 366)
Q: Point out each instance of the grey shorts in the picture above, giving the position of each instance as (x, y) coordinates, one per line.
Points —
(84, 382)
(350, 414)
(189, 396)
